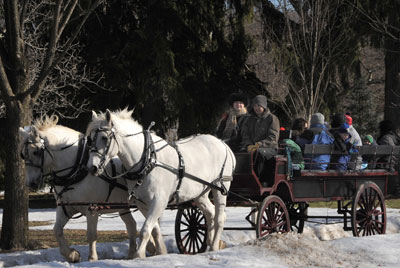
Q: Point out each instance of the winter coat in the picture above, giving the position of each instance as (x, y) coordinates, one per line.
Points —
(392, 139)
(263, 131)
(345, 160)
(355, 138)
(316, 134)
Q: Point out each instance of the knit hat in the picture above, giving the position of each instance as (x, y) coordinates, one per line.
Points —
(317, 118)
(344, 128)
(338, 120)
(261, 100)
(237, 96)
(369, 138)
(349, 120)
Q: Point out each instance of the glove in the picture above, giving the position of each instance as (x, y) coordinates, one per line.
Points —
(252, 147)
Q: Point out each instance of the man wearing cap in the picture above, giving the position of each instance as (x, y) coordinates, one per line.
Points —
(260, 133)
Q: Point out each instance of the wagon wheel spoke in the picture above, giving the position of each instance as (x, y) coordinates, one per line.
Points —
(368, 211)
(190, 230)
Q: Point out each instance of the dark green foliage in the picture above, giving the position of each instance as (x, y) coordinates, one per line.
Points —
(364, 110)
(171, 59)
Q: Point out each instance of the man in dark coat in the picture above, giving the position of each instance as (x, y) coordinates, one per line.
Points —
(260, 134)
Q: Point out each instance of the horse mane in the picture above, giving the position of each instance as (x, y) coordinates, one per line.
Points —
(48, 124)
(124, 115)
(45, 122)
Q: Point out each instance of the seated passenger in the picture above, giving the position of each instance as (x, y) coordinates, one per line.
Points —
(228, 128)
(299, 125)
(260, 134)
(342, 144)
(369, 161)
(316, 134)
(388, 136)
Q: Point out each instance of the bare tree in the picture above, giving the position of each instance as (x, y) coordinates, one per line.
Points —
(306, 39)
(34, 43)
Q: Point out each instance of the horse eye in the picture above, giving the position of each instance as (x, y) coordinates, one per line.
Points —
(104, 139)
(35, 153)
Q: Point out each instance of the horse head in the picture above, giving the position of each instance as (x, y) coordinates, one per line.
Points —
(103, 142)
(37, 157)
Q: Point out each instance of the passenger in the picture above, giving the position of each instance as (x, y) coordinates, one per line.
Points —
(369, 161)
(260, 134)
(343, 144)
(355, 137)
(316, 134)
(355, 161)
(229, 126)
(388, 136)
(299, 125)
(369, 140)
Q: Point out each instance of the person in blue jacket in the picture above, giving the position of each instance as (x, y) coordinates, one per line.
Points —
(316, 134)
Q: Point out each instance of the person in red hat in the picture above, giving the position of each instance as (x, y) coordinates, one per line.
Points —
(355, 138)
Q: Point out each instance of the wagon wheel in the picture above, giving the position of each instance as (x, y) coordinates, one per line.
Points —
(273, 217)
(297, 214)
(368, 215)
(190, 230)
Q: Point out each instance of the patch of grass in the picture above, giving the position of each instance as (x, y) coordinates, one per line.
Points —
(43, 239)
(46, 238)
(39, 223)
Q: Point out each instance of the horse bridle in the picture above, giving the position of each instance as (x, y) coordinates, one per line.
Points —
(41, 149)
(141, 167)
(93, 148)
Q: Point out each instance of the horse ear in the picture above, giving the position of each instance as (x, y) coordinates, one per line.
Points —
(94, 116)
(35, 131)
(108, 116)
(54, 118)
(23, 133)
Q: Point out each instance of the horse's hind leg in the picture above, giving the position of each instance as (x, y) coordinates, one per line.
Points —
(151, 222)
(220, 204)
(71, 255)
(205, 205)
(91, 234)
(130, 224)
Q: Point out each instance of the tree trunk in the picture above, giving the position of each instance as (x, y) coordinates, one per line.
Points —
(392, 81)
(14, 232)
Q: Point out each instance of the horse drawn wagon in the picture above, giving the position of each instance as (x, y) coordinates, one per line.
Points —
(279, 203)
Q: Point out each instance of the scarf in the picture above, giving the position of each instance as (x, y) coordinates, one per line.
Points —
(231, 122)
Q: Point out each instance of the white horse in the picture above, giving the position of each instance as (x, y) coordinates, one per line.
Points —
(162, 173)
(52, 148)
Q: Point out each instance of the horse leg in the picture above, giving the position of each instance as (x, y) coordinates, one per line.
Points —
(156, 245)
(130, 224)
(205, 205)
(220, 204)
(151, 221)
(91, 234)
(71, 255)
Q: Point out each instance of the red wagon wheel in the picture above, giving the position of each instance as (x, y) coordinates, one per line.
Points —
(368, 211)
(272, 217)
(297, 214)
(190, 230)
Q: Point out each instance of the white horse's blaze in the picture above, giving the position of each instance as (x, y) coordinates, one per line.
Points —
(205, 157)
(57, 137)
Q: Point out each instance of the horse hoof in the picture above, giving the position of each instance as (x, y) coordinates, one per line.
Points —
(74, 256)
(93, 258)
(222, 244)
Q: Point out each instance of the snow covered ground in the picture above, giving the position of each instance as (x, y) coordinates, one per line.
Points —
(319, 246)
